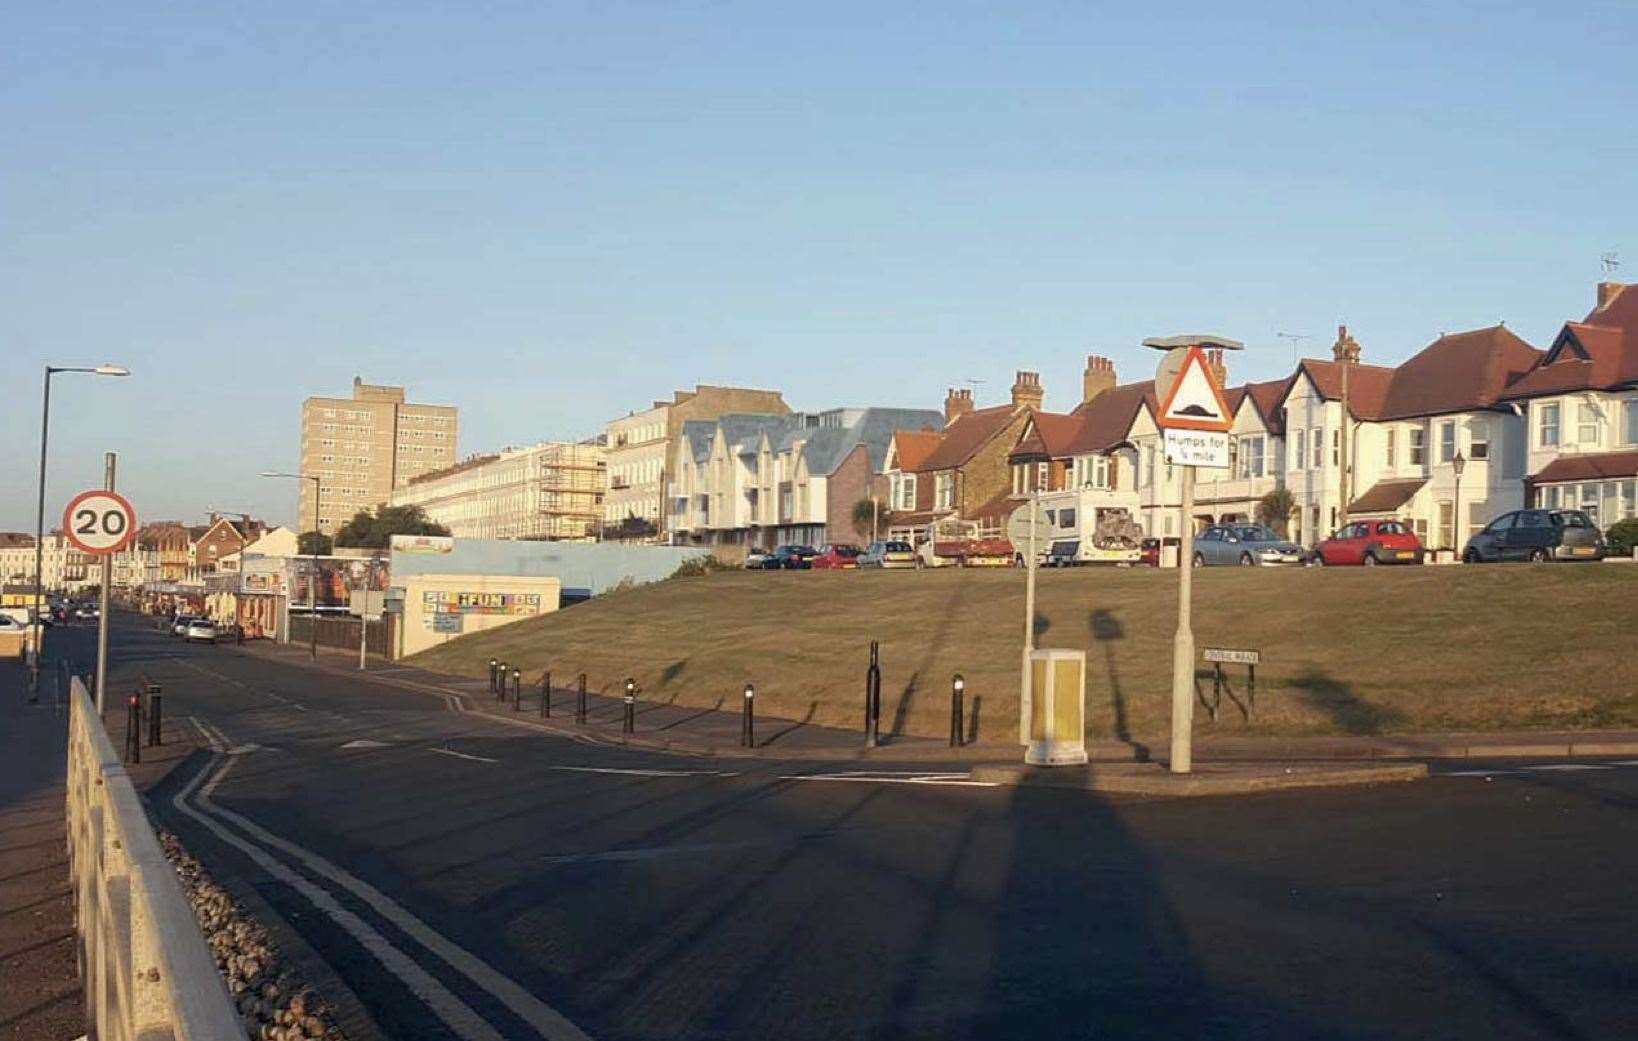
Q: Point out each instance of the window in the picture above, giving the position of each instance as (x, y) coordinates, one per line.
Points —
(1043, 476)
(1502, 524)
(1318, 453)
(1336, 448)
(1296, 450)
(1631, 432)
(1548, 437)
(1447, 441)
(1020, 478)
(1589, 501)
(905, 492)
(1417, 441)
(1421, 526)
(1478, 439)
(1586, 424)
(1629, 499)
(1066, 518)
(1391, 448)
(1251, 457)
(1392, 528)
(944, 491)
(1447, 520)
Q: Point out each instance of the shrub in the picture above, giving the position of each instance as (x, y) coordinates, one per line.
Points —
(697, 566)
(1622, 536)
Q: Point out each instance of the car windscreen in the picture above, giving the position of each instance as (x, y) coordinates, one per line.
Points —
(1570, 519)
(897, 547)
(847, 551)
(1255, 534)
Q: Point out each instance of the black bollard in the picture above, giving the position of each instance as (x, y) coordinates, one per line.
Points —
(133, 729)
(546, 694)
(517, 689)
(629, 725)
(873, 698)
(500, 683)
(747, 732)
(958, 692)
(155, 700)
(580, 705)
(492, 665)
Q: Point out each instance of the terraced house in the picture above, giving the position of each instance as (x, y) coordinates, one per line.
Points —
(763, 480)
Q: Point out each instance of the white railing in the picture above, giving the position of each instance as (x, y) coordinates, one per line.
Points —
(147, 972)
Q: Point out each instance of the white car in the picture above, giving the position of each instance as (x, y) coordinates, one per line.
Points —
(9, 624)
(180, 626)
(201, 629)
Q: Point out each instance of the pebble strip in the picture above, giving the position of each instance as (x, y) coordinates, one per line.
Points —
(273, 1004)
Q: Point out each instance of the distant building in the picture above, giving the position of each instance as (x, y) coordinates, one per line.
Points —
(363, 447)
(641, 446)
(551, 491)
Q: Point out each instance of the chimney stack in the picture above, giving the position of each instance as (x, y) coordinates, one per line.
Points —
(1346, 349)
(1219, 368)
(1026, 390)
(1607, 292)
(1098, 377)
(957, 403)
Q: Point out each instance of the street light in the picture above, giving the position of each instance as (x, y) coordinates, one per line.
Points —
(312, 580)
(1457, 465)
(105, 369)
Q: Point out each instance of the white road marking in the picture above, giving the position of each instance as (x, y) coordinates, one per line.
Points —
(463, 755)
(864, 777)
(1625, 762)
(547, 1022)
(1569, 766)
(455, 1013)
(365, 742)
(647, 773)
(1476, 773)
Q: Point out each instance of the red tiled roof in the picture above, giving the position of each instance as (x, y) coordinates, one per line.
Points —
(1387, 496)
(961, 439)
(1598, 353)
(1588, 467)
(1367, 385)
(1049, 434)
(1106, 419)
(1266, 397)
(1459, 372)
(910, 447)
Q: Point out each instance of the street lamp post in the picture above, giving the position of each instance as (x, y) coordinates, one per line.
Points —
(1457, 465)
(312, 579)
(39, 512)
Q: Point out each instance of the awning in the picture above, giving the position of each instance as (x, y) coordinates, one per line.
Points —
(1386, 496)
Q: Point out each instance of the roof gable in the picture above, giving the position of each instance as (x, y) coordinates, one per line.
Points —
(1458, 372)
(963, 438)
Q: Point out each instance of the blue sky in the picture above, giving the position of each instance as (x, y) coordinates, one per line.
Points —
(550, 214)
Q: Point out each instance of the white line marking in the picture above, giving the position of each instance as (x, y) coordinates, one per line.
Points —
(942, 779)
(647, 773)
(456, 1014)
(1476, 773)
(463, 755)
(1625, 762)
(547, 1022)
(365, 742)
(1569, 766)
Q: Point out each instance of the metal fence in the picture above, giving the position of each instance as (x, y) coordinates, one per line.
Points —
(147, 971)
(343, 633)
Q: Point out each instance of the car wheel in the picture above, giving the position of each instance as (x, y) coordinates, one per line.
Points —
(1471, 556)
(1246, 561)
(1538, 556)
(1199, 561)
(1370, 560)
(1319, 561)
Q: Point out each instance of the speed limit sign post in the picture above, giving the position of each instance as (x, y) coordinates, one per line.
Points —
(101, 522)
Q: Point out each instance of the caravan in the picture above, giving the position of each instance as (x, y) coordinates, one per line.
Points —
(1086, 529)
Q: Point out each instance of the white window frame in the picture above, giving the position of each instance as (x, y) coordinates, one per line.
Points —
(1417, 446)
(944, 491)
(1449, 444)
(1390, 447)
(1317, 453)
(1478, 438)
(1549, 422)
(1586, 423)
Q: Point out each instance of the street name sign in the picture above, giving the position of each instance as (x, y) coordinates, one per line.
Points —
(1226, 656)
(99, 522)
(1195, 401)
(1207, 448)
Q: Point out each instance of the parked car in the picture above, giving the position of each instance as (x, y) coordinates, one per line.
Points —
(760, 560)
(202, 630)
(889, 555)
(795, 558)
(10, 624)
(1536, 535)
(837, 556)
(1245, 544)
(1370, 543)
(179, 625)
(87, 613)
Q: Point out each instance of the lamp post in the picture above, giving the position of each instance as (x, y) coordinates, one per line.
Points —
(312, 580)
(1457, 465)
(39, 512)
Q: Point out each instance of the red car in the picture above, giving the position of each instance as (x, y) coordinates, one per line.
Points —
(1370, 543)
(837, 557)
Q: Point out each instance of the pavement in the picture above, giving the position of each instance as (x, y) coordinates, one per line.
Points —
(40, 994)
(467, 877)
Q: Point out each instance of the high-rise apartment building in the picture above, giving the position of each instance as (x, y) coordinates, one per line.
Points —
(363, 447)
(550, 491)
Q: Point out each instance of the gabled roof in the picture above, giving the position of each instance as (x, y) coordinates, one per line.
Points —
(1598, 353)
(1107, 418)
(1048, 434)
(698, 434)
(963, 438)
(1265, 398)
(1367, 385)
(1387, 496)
(1588, 467)
(911, 447)
(827, 446)
(1459, 372)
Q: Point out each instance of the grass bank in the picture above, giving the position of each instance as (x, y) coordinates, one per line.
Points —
(1346, 651)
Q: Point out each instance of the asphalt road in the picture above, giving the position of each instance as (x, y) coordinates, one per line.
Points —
(468, 879)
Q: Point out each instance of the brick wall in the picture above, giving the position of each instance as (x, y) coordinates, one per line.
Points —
(988, 473)
(849, 484)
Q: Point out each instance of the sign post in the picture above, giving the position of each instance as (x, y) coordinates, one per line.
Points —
(1024, 528)
(1193, 414)
(101, 522)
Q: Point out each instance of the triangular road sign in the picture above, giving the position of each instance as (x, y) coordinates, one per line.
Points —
(1195, 401)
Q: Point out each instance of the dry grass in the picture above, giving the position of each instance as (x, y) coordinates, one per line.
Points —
(1347, 651)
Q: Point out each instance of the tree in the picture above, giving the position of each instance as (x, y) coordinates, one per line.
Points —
(314, 544)
(864, 517)
(1275, 510)
(375, 530)
(632, 529)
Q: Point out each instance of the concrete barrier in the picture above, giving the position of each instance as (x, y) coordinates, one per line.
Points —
(147, 971)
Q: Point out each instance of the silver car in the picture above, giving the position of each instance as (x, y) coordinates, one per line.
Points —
(1247, 545)
(200, 629)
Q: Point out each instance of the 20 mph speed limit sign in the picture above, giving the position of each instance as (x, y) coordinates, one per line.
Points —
(99, 522)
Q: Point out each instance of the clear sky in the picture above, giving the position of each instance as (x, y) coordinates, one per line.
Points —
(549, 214)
